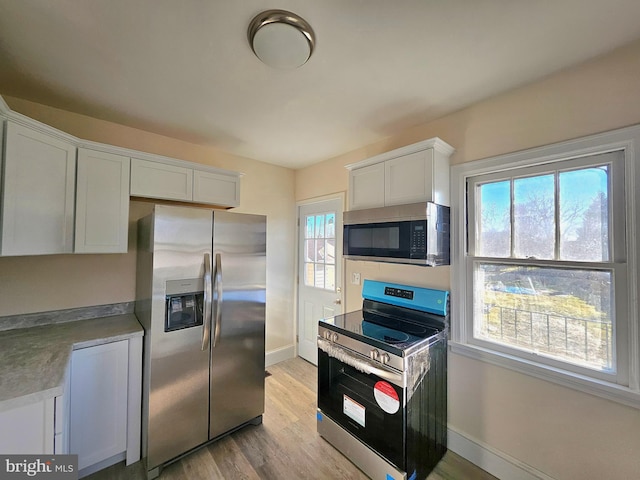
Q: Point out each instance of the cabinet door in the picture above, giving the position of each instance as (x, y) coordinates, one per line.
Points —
(98, 411)
(28, 429)
(159, 180)
(216, 189)
(102, 202)
(408, 179)
(366, 187)
(38, 193)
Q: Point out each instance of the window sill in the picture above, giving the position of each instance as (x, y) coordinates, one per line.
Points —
(609, 391)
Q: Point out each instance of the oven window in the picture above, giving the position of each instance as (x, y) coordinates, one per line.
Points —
(354, 400)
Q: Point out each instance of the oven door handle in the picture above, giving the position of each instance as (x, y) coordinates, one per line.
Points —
(361, 364)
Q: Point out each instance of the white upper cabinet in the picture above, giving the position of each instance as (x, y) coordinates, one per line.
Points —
(366, 187)
(102, 202)
(173, 182)
(45, 209)
(38, 192)
(160, 180)
(416, 173)
(216, 189)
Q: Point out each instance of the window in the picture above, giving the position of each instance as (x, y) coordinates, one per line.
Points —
(544, 262)
(320, 251)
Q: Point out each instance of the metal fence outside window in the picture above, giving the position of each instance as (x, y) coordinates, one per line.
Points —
(578, 339)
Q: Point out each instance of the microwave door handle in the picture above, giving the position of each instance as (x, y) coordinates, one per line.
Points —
(217, 306)
(206, 331)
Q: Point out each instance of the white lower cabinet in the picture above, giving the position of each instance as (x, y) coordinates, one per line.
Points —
(103, 427)
(28, 429)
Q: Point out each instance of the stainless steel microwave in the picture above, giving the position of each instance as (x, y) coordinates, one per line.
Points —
(416, 233)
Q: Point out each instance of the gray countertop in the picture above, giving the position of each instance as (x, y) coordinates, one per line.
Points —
(34, 361)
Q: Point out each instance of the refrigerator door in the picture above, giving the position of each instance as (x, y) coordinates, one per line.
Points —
(179, 366)
(237, 341)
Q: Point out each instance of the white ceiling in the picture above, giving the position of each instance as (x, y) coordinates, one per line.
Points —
(184, 68)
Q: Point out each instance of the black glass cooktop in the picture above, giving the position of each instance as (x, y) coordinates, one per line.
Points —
(392, 333)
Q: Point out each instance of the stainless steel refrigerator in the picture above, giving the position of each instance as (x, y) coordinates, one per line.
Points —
(201, 278)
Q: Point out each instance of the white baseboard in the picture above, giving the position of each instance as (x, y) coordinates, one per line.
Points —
(102, 465)
(280, 355)
(497, 463)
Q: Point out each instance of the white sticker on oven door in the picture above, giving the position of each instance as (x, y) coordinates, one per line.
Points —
(386, 397)
(353, 410)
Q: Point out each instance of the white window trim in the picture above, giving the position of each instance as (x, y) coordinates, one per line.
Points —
(627, 139)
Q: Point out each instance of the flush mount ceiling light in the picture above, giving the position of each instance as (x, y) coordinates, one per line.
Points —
(281, 39)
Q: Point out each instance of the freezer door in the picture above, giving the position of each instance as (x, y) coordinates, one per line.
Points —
(178, 367)
(237, 345)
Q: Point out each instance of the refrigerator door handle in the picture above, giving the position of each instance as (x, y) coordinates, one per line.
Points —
(217, 306)
(206, 331)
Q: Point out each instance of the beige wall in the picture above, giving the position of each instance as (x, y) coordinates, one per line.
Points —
(558, 431)
(52, 282)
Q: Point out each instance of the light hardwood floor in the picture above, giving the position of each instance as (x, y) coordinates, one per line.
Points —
(286, 446)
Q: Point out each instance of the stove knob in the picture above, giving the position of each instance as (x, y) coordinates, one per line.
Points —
(334, 337)
(374, 354)
(327, 335)
(384, 358)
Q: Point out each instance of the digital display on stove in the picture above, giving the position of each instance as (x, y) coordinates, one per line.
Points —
(398, 292)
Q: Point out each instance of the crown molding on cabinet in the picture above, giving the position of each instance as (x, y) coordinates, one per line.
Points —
(8, 114)
(435, 143)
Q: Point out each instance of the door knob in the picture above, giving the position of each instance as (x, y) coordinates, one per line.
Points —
(337, 302)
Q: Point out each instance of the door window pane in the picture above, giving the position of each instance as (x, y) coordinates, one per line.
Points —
(309, 274)
(330, 225)
(319, 277)
(330, 249)
(311, 229)
(309, 251)
(565, 314)
(319, 254)
(319, 226)
(330, 277)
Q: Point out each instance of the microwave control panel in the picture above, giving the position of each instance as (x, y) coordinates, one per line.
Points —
(418, 239)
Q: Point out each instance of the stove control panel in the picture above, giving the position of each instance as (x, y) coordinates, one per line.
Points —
(398, 292)
(416, 298)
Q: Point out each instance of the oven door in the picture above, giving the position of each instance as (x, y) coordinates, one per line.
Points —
(369, 406)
